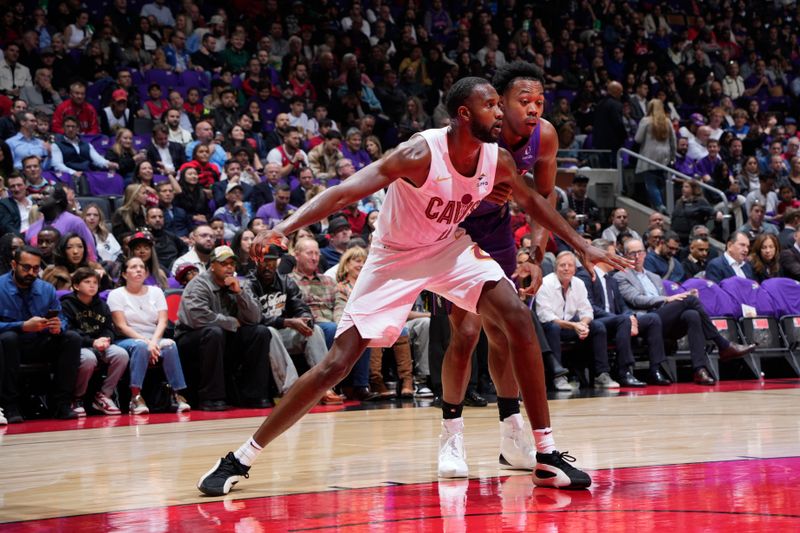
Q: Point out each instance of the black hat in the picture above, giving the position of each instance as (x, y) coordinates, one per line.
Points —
(580, 178)
(338, 224)
(273, 252)
(140, 236)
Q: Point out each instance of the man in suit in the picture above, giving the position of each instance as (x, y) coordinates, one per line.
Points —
(791, 221)
(608, 127)
(733, 262)
(680, 313)
(610, 309)
(697, 259)
(790, 258)
(661, 259)
(165, 156)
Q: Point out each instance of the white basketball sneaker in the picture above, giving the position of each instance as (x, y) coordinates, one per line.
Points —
(452, 458)
(517, 451)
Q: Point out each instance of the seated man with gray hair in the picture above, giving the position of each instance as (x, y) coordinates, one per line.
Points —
(563, 307)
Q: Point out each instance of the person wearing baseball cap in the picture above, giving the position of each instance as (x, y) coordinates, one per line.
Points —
(116, 115)
(235, 214)
(219, 325)
(339, 233)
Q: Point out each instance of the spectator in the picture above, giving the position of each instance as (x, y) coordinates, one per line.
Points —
(76, 107)
(9, 243)
(733, 262)
(116, 115)
(662, 260)
(200, 253)
(108, 249)
(167, 245)
(160, 12)
(226, 113)
(683, 163)
(322, 159)
(657, 140)
(413, 120)
(46, 243)
(15, 210)
(123, 154)
(206, 59)
(208, 173)
(75, 156)
(698, 143)
(41, 96)
(339, 233)
(690, 210)
(373, 147)
(608, 129)
(756, 225)
(32, 328)
(193, 198)
(25, 144)
(695, 263)
(89, 316)
(13, 75)
(175, 218)
(54, 209)
(764, 257)
(218, 323)
(176, 133)
(749, 178)
(234, 213)
(764, 195)
(71, 254)
(562, 305)
(319, 291)
(139, 313)
(240, 244)
(619, 223)
(705, 166)
(131, 216)
(610, 309)
(205, 136)
(353, 151)
(791, 219)
(790, 257)
(275, 211)
(289, 156)
(680, 313)
(305, 183)
(9, 125)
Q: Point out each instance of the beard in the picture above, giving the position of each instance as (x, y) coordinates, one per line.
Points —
(203, 249)
(483, 133)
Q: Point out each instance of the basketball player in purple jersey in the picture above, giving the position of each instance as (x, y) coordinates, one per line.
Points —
(434, 181)
(533, 143)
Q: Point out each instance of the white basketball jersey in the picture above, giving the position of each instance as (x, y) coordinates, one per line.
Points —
(412, 217)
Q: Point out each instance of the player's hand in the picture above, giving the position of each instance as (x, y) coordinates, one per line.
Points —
(271, 236)
(301, 325)
(532, 271)
(590, 256)
(500, 193)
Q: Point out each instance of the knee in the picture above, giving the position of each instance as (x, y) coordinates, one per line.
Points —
(597, 327)
(213, 334)
(116, 355)
(9, 337)
(335, 369)
(88, 359)
(262, 332)
(71, 339)
(690, 316)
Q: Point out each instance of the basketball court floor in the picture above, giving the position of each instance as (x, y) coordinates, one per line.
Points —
(682, 458)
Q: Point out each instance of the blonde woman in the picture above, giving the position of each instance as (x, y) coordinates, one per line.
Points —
(108, 249)
(131, 215)
(350, 266)
(656, 139)
(122, 153)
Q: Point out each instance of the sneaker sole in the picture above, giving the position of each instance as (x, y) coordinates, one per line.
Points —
(226, 488)
(454, 474)
(556, 479)
(506, 465)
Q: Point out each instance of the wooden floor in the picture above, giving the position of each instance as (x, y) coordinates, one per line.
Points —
(66, 473)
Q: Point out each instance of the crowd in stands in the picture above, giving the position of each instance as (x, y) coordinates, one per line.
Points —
(143, 145)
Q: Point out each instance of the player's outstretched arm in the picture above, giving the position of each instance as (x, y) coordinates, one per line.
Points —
(545, 214)
(410, 161)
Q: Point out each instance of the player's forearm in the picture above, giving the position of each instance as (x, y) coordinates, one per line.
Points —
(328, 202)
(540, 236)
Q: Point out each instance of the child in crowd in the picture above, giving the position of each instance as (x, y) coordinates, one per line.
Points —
(788, 201)
(156, 105)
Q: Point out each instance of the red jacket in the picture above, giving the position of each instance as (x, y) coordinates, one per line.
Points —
(85, 113)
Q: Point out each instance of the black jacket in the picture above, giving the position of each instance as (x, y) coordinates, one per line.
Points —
(168, 247)
(176, 151)
(279, 301)
(89, 321)
(9, 216)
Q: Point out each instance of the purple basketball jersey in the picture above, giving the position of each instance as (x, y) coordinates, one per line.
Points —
(490, 224)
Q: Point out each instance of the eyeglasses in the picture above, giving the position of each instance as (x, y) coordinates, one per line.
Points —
(636, 253)
(30, 268)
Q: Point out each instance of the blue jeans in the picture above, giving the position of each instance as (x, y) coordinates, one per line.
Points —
(329, 329)
(140, 359)
(654, 182)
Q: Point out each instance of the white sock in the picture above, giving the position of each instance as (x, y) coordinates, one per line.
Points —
(454, 425)
(544, 440)
(248, 452)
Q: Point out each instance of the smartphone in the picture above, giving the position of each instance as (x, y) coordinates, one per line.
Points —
(53, 313)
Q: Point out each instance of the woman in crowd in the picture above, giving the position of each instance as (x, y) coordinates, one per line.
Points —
(93, 65)
(764, 256)
(369, 226)
(373, 147)
(78, 34)
(748, 179)
(131, 215)
(122, 153)
(141, 246)
(193, 197)
(236, 139)
(134, 55)
(208, 173)
(657, 140)
(350, 265)
(139, 313)
(108, 249)
(71, 254)
(722, 179)
(241, 247)
(690, 210)
(414, 119)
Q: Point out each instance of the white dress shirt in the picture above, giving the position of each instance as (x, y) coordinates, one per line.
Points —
(552, 304)
(735, 265)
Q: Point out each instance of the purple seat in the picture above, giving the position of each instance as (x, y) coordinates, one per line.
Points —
(745, 291)
(192, 78)
(140, 141)
(59, 177)
(566, 93)
(105, 183)
(137, 77)
(713, 298)
(104, 295)
(101, 143)
(294, 182)
(671, 287)
(165, 78)
(785, 295)
(159, 178)
(60, 293)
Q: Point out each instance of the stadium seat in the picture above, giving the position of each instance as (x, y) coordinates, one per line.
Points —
(173, 297)
(102, 202)
(104, 183)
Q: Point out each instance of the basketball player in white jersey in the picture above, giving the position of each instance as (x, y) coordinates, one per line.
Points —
(434, 181)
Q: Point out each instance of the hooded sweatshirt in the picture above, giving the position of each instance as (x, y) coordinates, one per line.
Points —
(90, 321)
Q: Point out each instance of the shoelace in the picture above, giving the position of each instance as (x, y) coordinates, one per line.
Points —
(233, 468)
(565, 457)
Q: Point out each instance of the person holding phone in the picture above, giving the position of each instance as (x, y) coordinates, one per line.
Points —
(32, 329)
(219, 330)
